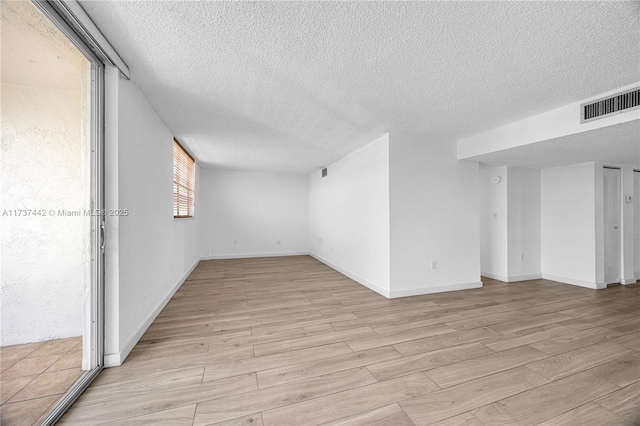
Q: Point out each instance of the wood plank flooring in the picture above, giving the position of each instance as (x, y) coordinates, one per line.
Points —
(289, 341)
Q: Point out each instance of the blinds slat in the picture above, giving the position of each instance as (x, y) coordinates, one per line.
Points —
(183, 178)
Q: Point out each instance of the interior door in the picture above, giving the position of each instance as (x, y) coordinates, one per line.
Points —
(612, 222)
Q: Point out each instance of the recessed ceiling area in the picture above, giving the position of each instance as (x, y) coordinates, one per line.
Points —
(294, 86)
(612, 145)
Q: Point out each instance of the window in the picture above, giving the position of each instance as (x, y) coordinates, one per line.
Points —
(183, 165)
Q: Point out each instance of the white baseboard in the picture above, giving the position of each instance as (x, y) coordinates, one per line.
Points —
(493, 276)
(511, 278)
(628, 281)
(354, 277)
(113, 360)
(526, 277)
(252, 255)
(587, 284)
(438, 289)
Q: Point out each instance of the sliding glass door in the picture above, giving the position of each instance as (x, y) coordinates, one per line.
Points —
(52, 214)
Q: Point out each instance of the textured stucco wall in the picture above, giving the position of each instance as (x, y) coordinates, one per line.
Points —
(45, 259)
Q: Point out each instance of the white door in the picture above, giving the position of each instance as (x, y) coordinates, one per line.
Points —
(636, 212)
(612, 222)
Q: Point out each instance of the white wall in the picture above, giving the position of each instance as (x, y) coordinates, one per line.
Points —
(349, 216)
(549, 125)
(636, 222)
(569, 224)
(434, 217)
(493, 223)
(46, 260)
(523, 217)
(628, 227)
(510, 223)
(149, 253)
(249, 214)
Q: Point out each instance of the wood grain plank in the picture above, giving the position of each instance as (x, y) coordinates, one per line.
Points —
(622, 371)
(133, 388)
(295, 372)
(579, 360)
(234, 406)
(533, 321)
(125, 407)
(249, 365)
(425, 361)
(484, 321)
(133, 371)
(181, 416)
(589, 414)
(604, 319)
(350, 402)
(485, 365)
(444, 341)
(544, 402)
(250, 420)
(465, 419)
(311, 341)
(376, 340)
(625, 402)
(575, 340)
(527, 336)
(629, 340)
(440, 405)
(385, 416)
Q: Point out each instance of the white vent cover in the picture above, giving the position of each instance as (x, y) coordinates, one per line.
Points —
(610, 105)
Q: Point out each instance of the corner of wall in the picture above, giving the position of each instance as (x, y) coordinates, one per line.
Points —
(116, 359)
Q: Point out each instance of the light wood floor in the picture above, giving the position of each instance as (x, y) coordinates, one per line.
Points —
(289, 341)
(34, 376)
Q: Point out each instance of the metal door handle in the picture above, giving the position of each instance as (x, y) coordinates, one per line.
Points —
(102, 236)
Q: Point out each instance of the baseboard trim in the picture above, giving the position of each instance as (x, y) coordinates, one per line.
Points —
(511, 278)
(114, 360)
(629, 281)
(356, 278)
(527, 277)
(580, 283)
(498, 277)
(253, 255)
(438, 289)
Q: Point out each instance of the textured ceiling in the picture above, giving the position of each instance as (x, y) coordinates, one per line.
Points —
(613, 145)
(293, 86)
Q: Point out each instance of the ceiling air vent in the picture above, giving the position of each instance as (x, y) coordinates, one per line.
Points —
(324, 172)
(610, 105)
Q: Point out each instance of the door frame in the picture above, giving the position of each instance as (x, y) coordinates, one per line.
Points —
(96, 358)
(604, 224)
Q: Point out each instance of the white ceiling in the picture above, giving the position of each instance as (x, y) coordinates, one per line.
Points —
(293, 86)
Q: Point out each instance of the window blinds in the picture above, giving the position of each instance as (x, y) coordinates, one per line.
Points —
(183, 165)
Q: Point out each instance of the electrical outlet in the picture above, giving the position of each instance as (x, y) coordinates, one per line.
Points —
(278, 242)
(434, 265)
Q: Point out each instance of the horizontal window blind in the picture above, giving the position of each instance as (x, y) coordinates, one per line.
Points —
(183, 180)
